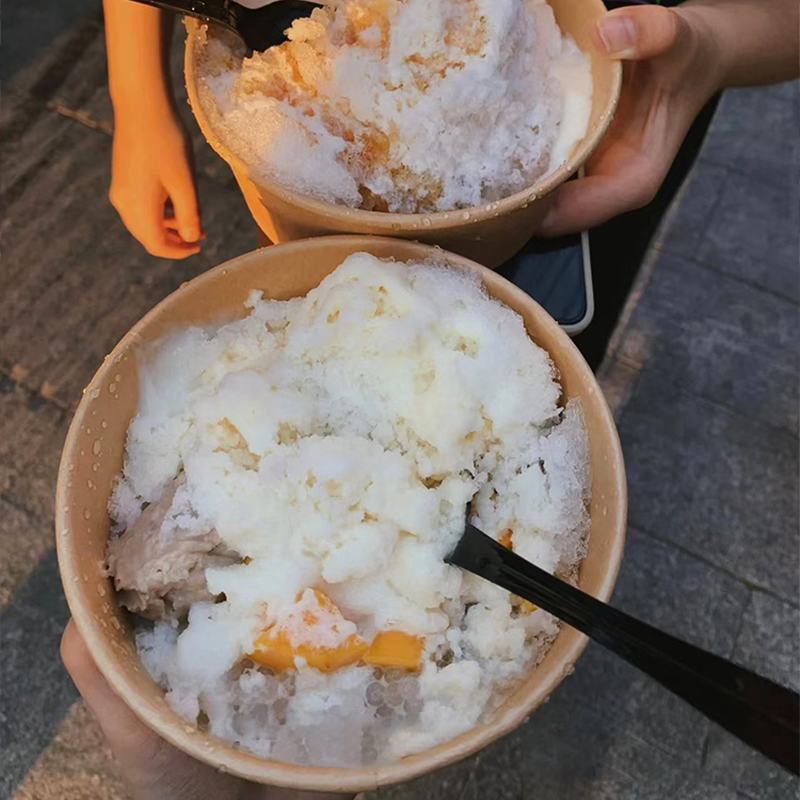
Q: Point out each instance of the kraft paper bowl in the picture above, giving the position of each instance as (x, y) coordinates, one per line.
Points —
(488, 234)
(93, 457)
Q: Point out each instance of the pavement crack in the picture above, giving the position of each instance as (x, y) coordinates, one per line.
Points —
(36, 398)
(80, 116)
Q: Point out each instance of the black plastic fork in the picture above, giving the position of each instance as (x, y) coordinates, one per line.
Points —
(259, 28)
(760, 712)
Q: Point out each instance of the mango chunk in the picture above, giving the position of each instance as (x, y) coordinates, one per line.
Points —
(274, 649)
(506, 538)
(395, 649)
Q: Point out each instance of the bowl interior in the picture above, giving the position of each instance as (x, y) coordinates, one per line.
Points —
(93, 458)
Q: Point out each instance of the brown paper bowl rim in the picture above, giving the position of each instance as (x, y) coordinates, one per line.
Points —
(390, 222)
(239, 762)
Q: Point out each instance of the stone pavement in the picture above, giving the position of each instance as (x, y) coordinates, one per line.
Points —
(702, 372)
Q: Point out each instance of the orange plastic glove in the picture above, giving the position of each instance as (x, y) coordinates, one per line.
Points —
(148, 170)
(152, 180)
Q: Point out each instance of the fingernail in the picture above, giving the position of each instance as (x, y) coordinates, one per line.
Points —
(619, 35)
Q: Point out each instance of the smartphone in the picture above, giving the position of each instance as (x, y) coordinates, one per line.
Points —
(557, 273)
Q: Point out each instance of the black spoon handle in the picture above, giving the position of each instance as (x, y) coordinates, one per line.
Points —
(220, 11)
(761, 713)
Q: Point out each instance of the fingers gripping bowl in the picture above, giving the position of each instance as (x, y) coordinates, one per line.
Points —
(93, 459)
(493, 134)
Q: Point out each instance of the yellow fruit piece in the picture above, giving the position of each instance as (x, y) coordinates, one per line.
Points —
(274, 649)
(506, 537)
(527, 607)
(395, 649)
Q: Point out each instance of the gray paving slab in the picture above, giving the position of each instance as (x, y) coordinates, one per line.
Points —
(753, 233)
(768, 642)
(32, 432)
(24, 539)
(755, 132)
(699, 199)
(28, 28)
(37, 692)
(713, 482)
(720, 338)
(754, 777)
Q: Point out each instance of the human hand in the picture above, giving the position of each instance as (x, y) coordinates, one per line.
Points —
(671, 70)
(154, 769)
(151, 165)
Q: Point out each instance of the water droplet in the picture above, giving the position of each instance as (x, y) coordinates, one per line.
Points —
(118, 377)
(112, 387)
(95, 467)
(95, 393)
(605, 511)
(75, 579)
(465, 215)
(97, 447)
(115, 623)
(395, 226)
(415, 224)
(86, 513)
(101, 590)
(83, 452)
(90, 483)
(445, 216)
(224, 272)
(103, 424)
(88, 431)
(426, 221)
(65, 532)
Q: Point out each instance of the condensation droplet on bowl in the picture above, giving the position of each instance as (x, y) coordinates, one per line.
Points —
(395, 226)
(97, 447)
(87, 514)
(95, 467)
(465, 215)
(88, 431)
(222, 769)
(117, 378)
(65, 532)
(445, 216)
(85, 578)
(95, 393)
(415, 224)
(101, 590)
(115, 624)
(75, 578)
(103, 424)
(83, 452)
(112, 387)
(188, 729)
(426, 221)
(605, 511)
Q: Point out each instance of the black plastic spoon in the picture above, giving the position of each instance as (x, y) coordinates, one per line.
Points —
(761, 713)
(259, 28)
